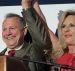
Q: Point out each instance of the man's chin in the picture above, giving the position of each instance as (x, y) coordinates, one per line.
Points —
(10, 46)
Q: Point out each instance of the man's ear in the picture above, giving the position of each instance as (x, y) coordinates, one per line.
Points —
(25, 30)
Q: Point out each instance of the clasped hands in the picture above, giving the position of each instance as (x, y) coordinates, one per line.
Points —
(28, 3)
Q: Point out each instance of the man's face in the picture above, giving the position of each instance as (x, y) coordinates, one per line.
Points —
(12, 32)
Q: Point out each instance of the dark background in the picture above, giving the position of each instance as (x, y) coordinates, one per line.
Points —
(18, 2)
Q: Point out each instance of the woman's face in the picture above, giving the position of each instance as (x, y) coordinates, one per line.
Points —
(68, 30)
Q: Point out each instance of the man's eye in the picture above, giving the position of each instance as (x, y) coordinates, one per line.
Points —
(4, 29)
(12, 28)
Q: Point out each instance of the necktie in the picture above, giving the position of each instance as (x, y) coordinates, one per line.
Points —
(11, 53)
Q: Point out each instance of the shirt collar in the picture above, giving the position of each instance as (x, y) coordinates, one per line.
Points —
(18, 48)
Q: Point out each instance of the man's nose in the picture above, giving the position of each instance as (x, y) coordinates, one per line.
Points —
(8, 32)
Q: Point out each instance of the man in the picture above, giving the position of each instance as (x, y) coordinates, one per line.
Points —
(14, 29)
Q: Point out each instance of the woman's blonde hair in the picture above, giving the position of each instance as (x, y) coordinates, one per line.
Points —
(62, 18)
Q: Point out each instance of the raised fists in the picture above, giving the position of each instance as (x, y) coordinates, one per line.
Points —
(28, 3)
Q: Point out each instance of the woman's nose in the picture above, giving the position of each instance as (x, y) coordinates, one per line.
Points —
(67, 28)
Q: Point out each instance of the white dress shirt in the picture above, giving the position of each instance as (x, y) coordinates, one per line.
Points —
(18, 48)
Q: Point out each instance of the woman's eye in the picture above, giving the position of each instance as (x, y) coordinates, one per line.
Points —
(63, 26)
(72, 25)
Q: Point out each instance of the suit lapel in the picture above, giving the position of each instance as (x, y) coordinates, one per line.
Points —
(3, 52)
(22, 51)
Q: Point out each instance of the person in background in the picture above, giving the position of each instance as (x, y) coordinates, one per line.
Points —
(14, 30)
(66, 34)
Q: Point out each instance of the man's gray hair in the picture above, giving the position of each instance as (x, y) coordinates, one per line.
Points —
(9, 15)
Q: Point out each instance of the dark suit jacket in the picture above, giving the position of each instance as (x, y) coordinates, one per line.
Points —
(40, 41)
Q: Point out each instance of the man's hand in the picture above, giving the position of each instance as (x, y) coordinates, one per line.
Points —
(26, 4)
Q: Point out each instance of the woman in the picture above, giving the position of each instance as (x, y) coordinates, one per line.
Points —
(66, 33)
